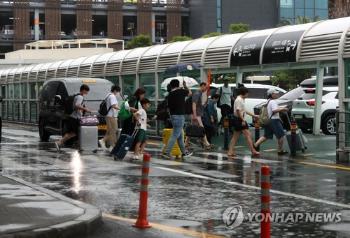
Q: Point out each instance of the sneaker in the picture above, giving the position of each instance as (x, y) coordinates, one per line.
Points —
(187, 154)
(166, 156)
(58, 148)
(282, 152)
(102, 144)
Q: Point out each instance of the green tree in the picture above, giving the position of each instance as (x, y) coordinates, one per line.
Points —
(139, 41)
(238, 28)
(212, 34)
(180, 38)
(289, 79)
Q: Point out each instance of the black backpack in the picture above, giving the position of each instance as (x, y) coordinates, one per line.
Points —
(188, 106)
(162, 111)
(68, 104)
(103, 111)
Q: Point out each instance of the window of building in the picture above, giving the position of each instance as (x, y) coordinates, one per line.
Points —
(321, 4)
(68, 26)
(129, 84)
(161, 28)
(147, 81)
(218, 15)
(99, 26)
(321, 14)
(286, 3)
(129, 26)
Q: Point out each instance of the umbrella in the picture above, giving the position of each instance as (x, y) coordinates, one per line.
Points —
(179, 68)
(190, 82)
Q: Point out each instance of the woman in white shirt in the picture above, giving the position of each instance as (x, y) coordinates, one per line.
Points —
(240, 124)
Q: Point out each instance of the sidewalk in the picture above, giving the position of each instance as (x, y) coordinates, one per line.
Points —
(28, 211)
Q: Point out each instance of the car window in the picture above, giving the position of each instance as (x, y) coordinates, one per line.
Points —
(257, 93)
(98, 91)
(49, 91)
(61, 90)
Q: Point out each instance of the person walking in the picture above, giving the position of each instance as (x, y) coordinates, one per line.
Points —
(275, 126)
(141, 127)
(210, 117)
(197, 110)
(176, 103)
(110, 137)
(129, 124)
(226, 98)
(72, 124)
(240, 124)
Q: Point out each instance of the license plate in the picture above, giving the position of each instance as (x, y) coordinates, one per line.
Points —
(102, 127)
(298, 116)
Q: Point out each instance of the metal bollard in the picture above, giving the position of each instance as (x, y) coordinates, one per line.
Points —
(293, 139)
(257, 131)
(226, 124)
(142, 221)
(265, 225)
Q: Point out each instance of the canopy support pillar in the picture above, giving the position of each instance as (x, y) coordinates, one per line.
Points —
(239, 78)
(318, 100)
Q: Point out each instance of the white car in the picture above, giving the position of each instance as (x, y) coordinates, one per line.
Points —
(303, 110)
(257, 95)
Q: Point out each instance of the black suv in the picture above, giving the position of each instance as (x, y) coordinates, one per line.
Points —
(56, 91)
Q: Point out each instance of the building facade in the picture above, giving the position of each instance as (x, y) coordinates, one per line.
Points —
(22, 21)
(339, 8)
(216, 15)
(299, 11)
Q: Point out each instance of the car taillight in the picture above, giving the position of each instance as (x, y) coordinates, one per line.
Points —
(312, 102)
(309, 90)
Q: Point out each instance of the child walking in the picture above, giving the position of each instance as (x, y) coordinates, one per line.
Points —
(141, 127)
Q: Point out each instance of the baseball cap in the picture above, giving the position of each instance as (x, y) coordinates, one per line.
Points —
(272, 91)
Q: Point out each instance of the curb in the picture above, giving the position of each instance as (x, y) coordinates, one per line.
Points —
(78, 227)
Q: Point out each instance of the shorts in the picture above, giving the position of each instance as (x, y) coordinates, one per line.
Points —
(237, 124)
(72, 125)
(275, 127)
(141, 136)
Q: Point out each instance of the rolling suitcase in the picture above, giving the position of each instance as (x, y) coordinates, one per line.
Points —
(175, 151)
(301, 140)
(123, 145)
(88, 133)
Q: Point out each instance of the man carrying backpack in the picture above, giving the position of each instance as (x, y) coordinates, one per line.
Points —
(226, 99)
(72, 124)
(111, 104)
(273, 124)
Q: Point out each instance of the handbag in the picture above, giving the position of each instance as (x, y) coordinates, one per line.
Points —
(195, 131)
(124, 113)
(88, 121)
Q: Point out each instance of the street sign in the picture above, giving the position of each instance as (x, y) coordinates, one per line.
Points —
(282, 47)
(247, 51)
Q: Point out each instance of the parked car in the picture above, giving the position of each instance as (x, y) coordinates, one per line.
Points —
(303, 110)
(257, 95)
(55, 92)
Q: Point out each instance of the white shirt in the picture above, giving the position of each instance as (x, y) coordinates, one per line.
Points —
(78, 101)
(225, 95)
(239, 105)
(111, 101)
(142, 121)
(272, 106)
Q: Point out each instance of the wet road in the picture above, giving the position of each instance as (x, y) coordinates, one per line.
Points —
(192, 193)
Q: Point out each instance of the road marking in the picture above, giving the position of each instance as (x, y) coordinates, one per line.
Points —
(166, 228)
(326, 166)
(258, 188)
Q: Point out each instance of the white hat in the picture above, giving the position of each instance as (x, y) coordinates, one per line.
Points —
(272, 91)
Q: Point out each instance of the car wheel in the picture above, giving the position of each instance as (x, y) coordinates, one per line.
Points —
(329, 126)
(44, 135)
